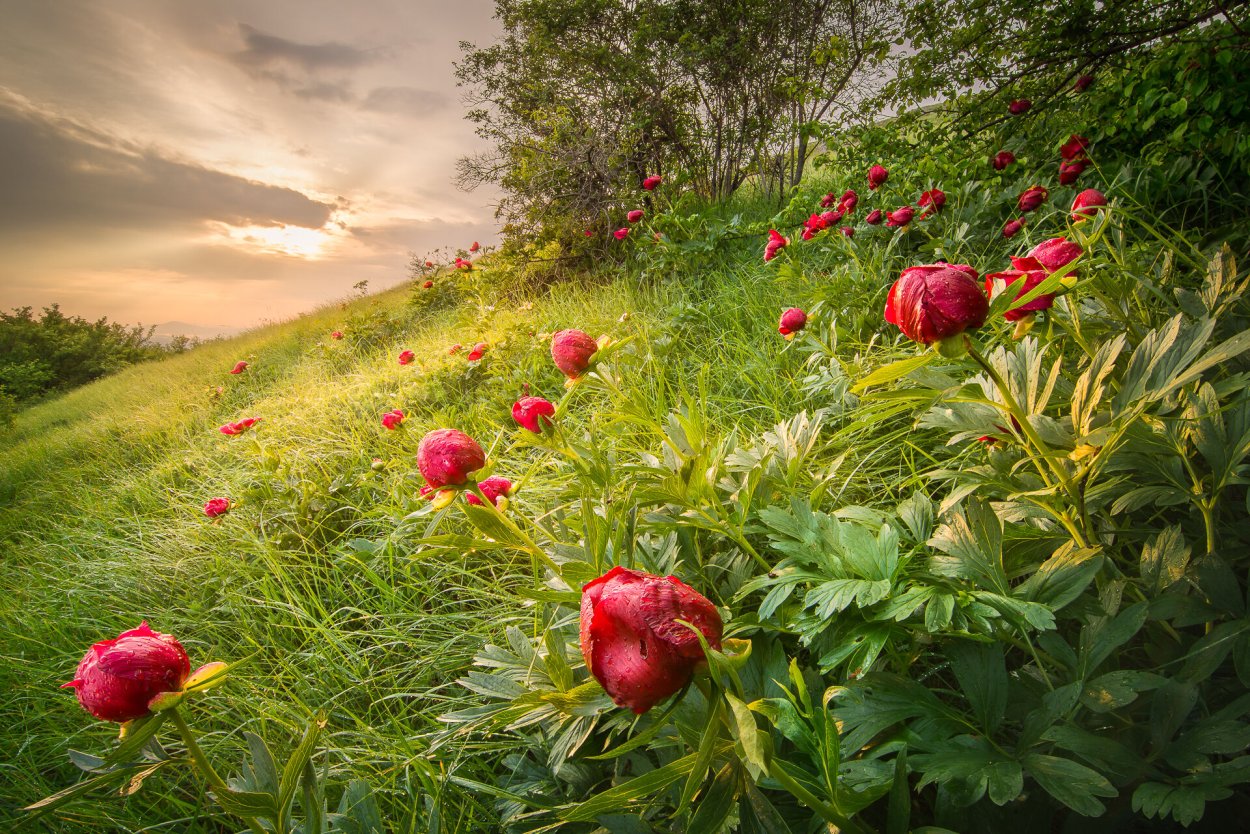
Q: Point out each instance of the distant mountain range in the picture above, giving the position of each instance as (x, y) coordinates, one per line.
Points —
(166, 332)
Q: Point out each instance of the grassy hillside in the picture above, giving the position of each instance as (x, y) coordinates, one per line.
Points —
(704, 445)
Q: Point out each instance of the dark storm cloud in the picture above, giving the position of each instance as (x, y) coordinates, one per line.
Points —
(408, 101)
(59, 174)
(262, 50)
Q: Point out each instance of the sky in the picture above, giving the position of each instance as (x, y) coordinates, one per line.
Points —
(229, 163)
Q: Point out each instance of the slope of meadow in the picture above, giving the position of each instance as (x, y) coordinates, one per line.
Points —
(959, 552)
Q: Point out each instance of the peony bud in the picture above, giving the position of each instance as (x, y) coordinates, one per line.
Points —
(1031, 278)
(1013, 227)
(874, 217)
(241, 426)
(528, 410)
(634, 216)
(877, 177)
(454, 349)
(1002, 159)
(117, 679)
(1087, 203)
(494, 488)
(239, 368)
(1082, 83)
(476, 246)
(621, 234)
(429, 264)
(849, 201)
(775, 244)
(827, 200)
(478, 351)
(572, 350)
(900, 216)
(650, 183)
(931, 201)
(936, 301)
(631, 640)
(406, 357)
(1069, 171)
(336, 335)
(1074, 148)
(427, 285)
(1032, 198)
(1018, 106)
(847, 231)
(392, 419)
(446, 457)
(792, 321)
(216, 506)
(1051, 255)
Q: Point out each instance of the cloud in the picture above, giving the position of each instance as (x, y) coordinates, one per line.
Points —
(62, 174)
(263, 50)
(408, 101)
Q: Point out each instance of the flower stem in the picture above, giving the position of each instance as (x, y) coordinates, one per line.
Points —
(202, 764)
(802, 794)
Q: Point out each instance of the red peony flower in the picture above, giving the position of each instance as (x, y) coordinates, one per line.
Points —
(1002, 159)
(461, 263)
(900, 216)
(1069, 171)
(1032, 198)
(792, 321)
(931, 201)
(650, 183)
(828, 218)
(447, 456)
(588, 233)
(392, 419)
(429, 263)
(1086, 204)
(239, 368)
(849, 201)
(1013, 227)
(527, 411)
(877, 176)
(874, 217)
(572, 350)
(621, 234)
(1018, 106)
(479, 350)
(1050, 255)
(1032, 278)
(1082, 83)
(936, 301)
(427, 285)
(493, 488)
(827, 200)
(406, 357)
(117, 679)
(1074, 148)
(848, 231)
(775, 244)
(812, 225)
(216, 506)
(336, 335)
(239, 427)
(476, 246)
(634, 216)
(454, 349)
(631, 640)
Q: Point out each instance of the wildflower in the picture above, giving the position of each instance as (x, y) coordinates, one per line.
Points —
(931, 201)
(1002, 159)
(429, 264)
(336, 335)
(1082, 83)
(847, 231)
(1069, 171)
(792, 321)
(849, 200)
(621, 234)
(936, 301)
(1051, 255)
(392, 419)
(900, 216)
(634, 216)
(1087, 203)
(478, 351)
(651, 182)
(454, 349)
(588, 233)
(448, 456)
(476, 246)
(631, 640)
(572, 350)
(528, 411)
(1074, 148)
(775, 244)
(241, 426)
(1019, 106)
(494, 488)
(877, 176)
(1032, 277)
(1013, 227)
(874, 217)
(827, 200)
(1032, 197)
(239, 368)
(406, 357)
(216, 506)
(117, 679)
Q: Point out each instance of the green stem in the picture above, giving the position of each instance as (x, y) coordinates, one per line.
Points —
(202, 764)
(802, 794)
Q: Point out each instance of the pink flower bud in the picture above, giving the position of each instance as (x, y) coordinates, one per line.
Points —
(572, 350)
(216, 506)
(493, 488)
(1002, 159)
(1074, 148)
(240, 426)
(447, 456)
(792, 321)
(392, 419)
(1032, 197)
(900, 216)
(117, 679)
(476, 246)
(427, 285)
(827, 200)
(847, 231)
(406, 357)
(429, 264)
(478, 351)
(877, 177)
(1087, 203)
(1069, 171)
(631, 640)
(874, 217)
(936, 301)
(1020, 105)
(1052, 255)
(634, 216)
(336, 335)
(621, 234)
(528, 410)
(454, 349)
(239, 368)
(650, 183)
(1013, 227)
(1082, 83)
(775, 244)
(849, 200)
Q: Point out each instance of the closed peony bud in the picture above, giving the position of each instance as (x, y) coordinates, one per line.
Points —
(1087, 204)
(429, 264)
(847, 231)
(216, 506)
(1069, 171)
(427, 285)
(493, 488)
(478, 351)
(1050, 255)
(634, 216)
(931, 201)
(454, 349)
(775, 244)
(1074, 148)
(476, 246)
(936, 301)
(447, 457)
(239, 368)
(1082, 83)
(848, 202)
(900, 216)
(527, 411)
(651, 182)
(621, 234)
(117, 679)
(792, 321)
(406, 357)
(877, 177)
(1032, 198)
(1002, 159)
(827, 200)
(631, 640)
(1013, 227)
(1018, 106)
(336, 335)
(240, 426)
(874, 217)
(572, 350)
(392, 419)
(1032, 278)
